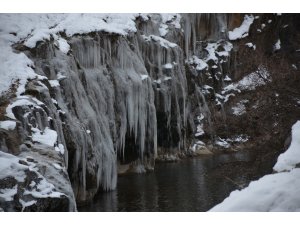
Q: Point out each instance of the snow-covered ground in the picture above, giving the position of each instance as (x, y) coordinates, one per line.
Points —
(274, 192)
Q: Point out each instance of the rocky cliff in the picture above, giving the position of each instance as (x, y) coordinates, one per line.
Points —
(104, 101)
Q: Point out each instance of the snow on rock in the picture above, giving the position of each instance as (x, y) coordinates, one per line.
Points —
(21, 100)
(63, 45)
(238, 139)
(171, 18)
(200, 64)
(144, 76)
(227, 78)
(255, 79)
(60, 149)
(44, 189)
(10, 166)
(8, 193)
(222, 143)
(249, 82)
(26, 204)
(251, 45)
(57, 166)
(60, 76)
(242, 31)
(15, 67)
(289, 159)
(214, 52)
(54, 83)
(200, 130)
(8, 125)
(163, 42)
(211, 49)
(239, 109)
(47, 137)
(277, 45)
(168, 66)
(163, 30)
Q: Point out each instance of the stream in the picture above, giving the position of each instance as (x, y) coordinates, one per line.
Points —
(188, 185)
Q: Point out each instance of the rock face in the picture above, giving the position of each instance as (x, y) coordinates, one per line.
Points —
(173, 88)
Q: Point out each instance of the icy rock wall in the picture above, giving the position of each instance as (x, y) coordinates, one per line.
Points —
(105, 95)
(126, 98)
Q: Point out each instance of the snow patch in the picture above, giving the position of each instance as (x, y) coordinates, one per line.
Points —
(172, 19)
(255, 79)
(168, 66)
(144, 76)
(8, 193)
(26, 204)
(291, 157)
(251, 45)
(8, 125)
(222, 143)
(163, 30)
(200, 64)
(242, 31)
(239, 109)
(227, 78)
(163, 42)
(46, 137)
(60, 149)
(21, 101)
(54, 83)
(10, 166)
(63, 45)
(60, 76)
(277, 45)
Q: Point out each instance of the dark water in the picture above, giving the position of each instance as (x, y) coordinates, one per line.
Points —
(188, 185)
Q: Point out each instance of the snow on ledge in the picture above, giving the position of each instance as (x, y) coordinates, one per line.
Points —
(46, 137)
(242, 31)
(163, 42)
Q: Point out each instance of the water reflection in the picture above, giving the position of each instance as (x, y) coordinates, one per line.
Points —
(182, 186)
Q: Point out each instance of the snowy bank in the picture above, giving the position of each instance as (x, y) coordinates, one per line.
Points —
(274, 192)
